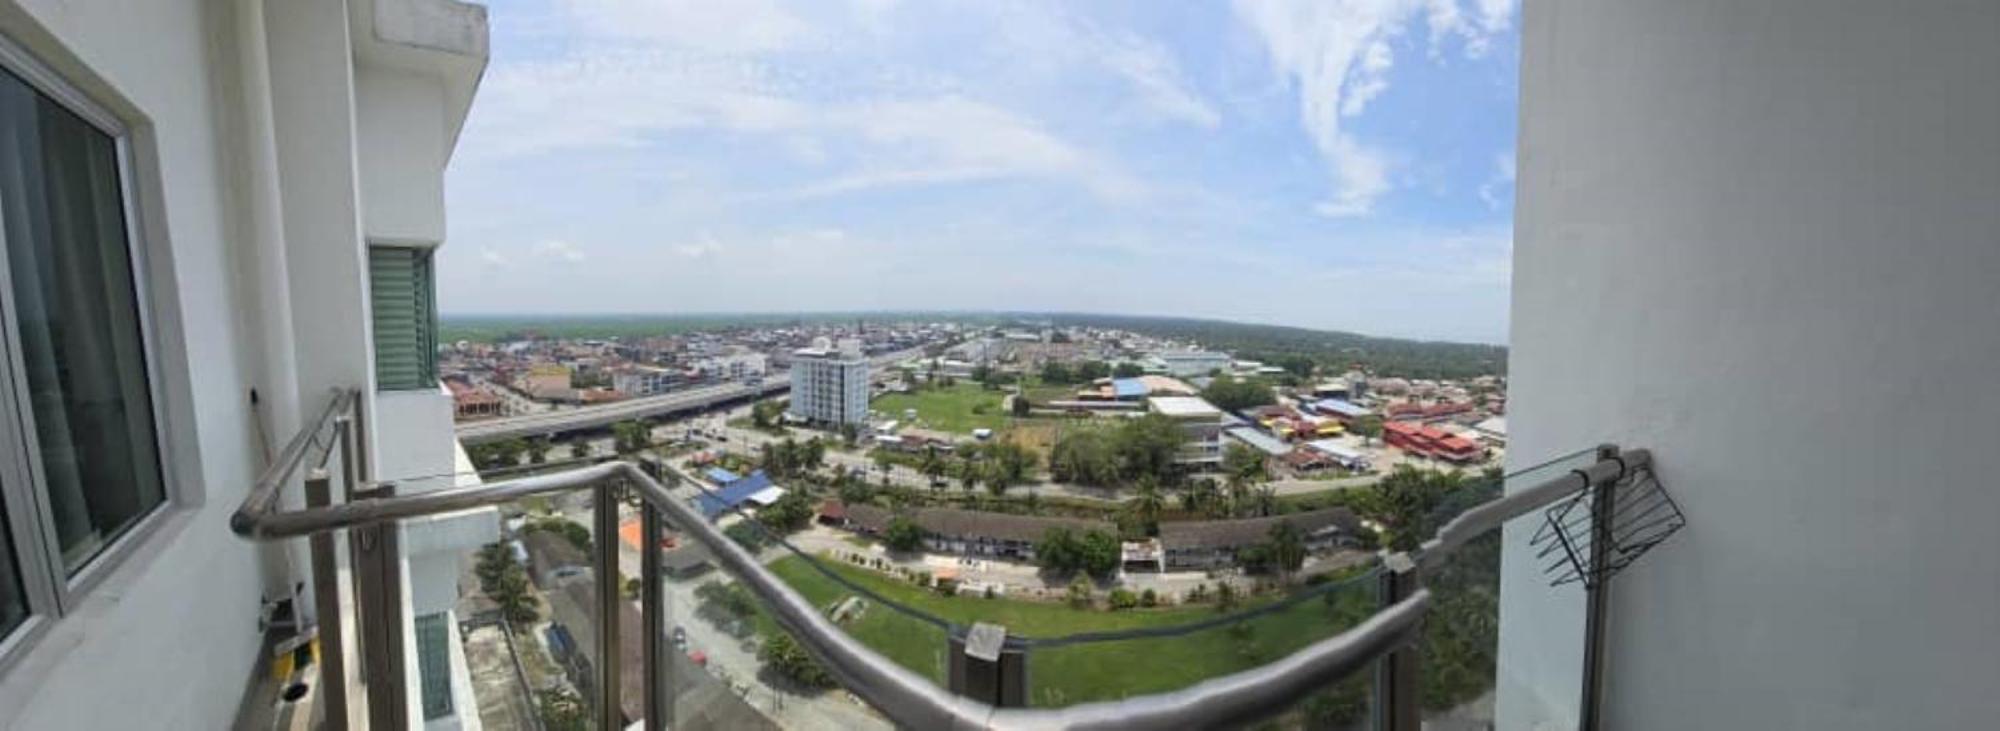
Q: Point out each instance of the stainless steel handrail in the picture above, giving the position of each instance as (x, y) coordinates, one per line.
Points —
(264, 494)
(913, 700)
(1476, 521)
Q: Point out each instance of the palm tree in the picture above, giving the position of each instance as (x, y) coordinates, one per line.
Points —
(1267, 500)
(1148, 503)
(538, 450)
(968, 471)
(579, 449)
(933, 467)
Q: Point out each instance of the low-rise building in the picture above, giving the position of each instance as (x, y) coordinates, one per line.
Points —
(1429, 441)
(1202, 423)
(1214, 543)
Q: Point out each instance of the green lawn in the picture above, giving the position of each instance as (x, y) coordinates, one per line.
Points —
(1079, 673)
(959, 409)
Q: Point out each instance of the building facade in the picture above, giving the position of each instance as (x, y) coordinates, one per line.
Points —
(829, 384)
(1202, 423)
(251, 195)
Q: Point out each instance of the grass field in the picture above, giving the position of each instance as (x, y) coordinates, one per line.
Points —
(959, 409)
(1078, 673)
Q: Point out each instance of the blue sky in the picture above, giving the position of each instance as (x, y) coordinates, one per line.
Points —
(1323, 163)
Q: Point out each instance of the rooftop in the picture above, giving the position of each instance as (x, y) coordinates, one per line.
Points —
(1183, 406)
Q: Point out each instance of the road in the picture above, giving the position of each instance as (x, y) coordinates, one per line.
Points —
(694, 399)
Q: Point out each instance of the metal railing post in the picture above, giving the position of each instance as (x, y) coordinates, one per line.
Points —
(326, 607)
(378, 572)
(984, 669)
(653, 620)
(1398, 682)
(605, 509)
(1597, 596)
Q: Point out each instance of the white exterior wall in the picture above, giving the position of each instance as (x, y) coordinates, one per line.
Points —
(1760, 239)
(186, 597)
(827, 390)
(171, 632)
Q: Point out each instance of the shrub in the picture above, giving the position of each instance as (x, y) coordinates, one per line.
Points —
(1122, 598)
(1149, 598)
(1079, 593)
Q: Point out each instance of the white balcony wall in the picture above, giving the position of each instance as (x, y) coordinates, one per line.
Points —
(1762, 239)
(168, 639)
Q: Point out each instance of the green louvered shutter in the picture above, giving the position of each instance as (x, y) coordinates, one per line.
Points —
(405, 318)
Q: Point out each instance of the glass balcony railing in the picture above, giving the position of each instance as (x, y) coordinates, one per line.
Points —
(609, 598)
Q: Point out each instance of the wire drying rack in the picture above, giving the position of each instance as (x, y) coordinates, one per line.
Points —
(1640, 515)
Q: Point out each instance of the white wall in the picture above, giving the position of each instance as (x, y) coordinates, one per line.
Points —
(403, 150)
(168, 640)
(1762, 239)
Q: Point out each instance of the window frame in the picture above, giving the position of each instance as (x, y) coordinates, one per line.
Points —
(427, 352)
(52, 591)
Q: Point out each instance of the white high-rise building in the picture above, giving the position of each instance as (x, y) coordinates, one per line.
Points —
(829, 384)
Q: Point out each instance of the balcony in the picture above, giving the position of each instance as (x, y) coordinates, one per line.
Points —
(785, 636)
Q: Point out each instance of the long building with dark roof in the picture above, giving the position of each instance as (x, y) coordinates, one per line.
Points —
(1211, 543)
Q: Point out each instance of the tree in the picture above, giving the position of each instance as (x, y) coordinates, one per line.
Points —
(1054, 372)
(933, 466)
(579, 449)
(850, 434)
(1127, 370)
(1237, 394)
(748, 534)
(1090, 370)
(1225, 596)
(791, 512)
(1243, 461)
(1101, 553)
(1058, 550)
(814, 455)
(538, 450)
(1409, 503)
(1286, 548)
(764, 414)
(561, 710)
(883, 463)
(507, 452)
(628, 437)
(517, 604)
(969, 472)
(1147, 504)
(783, 654)
(1369, 427)
(1084, 457)
(982, 373)
(903, 534)
(1018, 405)
(1146, 446)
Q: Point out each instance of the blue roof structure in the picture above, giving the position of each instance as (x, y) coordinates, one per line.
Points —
(1339, 408)
(721, 476)
(732, 494)
(1128, 388)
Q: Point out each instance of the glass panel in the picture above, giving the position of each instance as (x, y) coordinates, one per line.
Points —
(434, 664)
(1507, 646)
(13, 596)
(1268, 620)
(77, 317)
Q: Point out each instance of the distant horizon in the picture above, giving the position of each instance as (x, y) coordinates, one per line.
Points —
(944, 312)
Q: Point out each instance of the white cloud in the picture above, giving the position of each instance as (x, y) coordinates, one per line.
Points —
(704, 248)
(1499, 186)
(1157, 78)
(559, 250)
(737, 26)
(494, 259)
(1337, 55)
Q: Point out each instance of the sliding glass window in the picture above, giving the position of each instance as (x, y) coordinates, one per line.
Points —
(75, 367)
